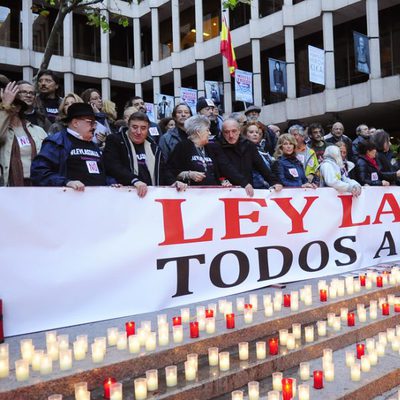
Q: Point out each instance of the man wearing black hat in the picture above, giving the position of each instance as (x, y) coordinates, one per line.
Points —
(206, 107)
(69, 157)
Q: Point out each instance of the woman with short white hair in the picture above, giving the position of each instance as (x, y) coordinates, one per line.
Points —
(332, 173)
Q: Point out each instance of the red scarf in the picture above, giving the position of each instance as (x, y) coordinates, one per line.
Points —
(372, 161)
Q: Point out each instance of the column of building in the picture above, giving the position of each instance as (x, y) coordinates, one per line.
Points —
(68, 54)
(27, 39)
(137, 49)
(256, 59)
(105, 60)
(225, 70)
(199, 54)
(329, 47)
(289, 52)
(155, 40)
(176, 47)
(373, 36)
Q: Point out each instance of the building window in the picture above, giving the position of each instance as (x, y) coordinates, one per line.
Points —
(267, 7)
(187, 25)
(86, 39)
(121, 43)
(165, 16)
(10, 24)
(239, 16)
(146, 41)
(211, 19)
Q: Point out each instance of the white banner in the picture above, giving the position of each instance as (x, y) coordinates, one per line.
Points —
(243, 86)
(316, 65)
(68, 258)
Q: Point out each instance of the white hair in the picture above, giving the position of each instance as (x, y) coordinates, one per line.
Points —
(333, 152)
(195, 124)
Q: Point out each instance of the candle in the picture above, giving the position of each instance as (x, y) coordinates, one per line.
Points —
(396, 344)
(355, 372)
(286, 300)
(318, 379)
(122, 341)
(83, 339)
(329, 372)
(52, 350)
(185, 315)
(296, 330)
(304, 371)
(146, 325)
(365, 363)
(391, 299)
(84, 395)
(290, 341)
(237, 395)
(373, 313)
(379, 281)
(357, 286)
(277, 304)
(210, 324)
(4, 366)
(193, 358)
(385, 309)
(228, 307)
(273, 346)
(340, 288)
(163, 334)
(273, 395)
(350, 319)
(97, 352)
(268, 310)
(202, 322)
(304, 392)
(248, 315)
(308, 299)
(107, 387)
(224, 364)
(336, 324)
(321, 284)
(221, 305)
(51, 337)
(171, 375)
(390, 334)
(230, 321)
(240, 303)
(101, 342)
(177, 333)
(373, 357)
(65, 359)
(152, 380)
(140, 388)
(287, 389)
(261, 350)
(194, 329)
(3, 349)
(294, 301)
(382, 337)
(37, 359)
(330, 318)
(209, 313)
(360, 350)
(253, 390)
(397, 307)
(309, 334)
(321, 328)
(362, 280)
(283, 333)
(46, 365)
(79, 350)
(277, 381)
(323, 295)
(213, 356)
(362, 315)
(162, 319)
(243, 351)
(327, 356)
(253, 300)
(151, 341)
(134, 343)
(116, 391)
(380, 349)
(27, 349)
(112, 334)
(63, 342)
(130, 328)
(80, 390)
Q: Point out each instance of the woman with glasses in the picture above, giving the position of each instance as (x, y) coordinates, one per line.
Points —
(20, 140)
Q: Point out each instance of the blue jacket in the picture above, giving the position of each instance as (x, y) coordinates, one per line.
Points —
(290, 171)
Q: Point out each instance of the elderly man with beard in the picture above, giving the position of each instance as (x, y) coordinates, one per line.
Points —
(70, 157)
(363, 133)
(337, 135)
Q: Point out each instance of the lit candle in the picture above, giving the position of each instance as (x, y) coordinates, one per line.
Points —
(304, 371)
(200, 311)
(253, 300)
(329, 372)
(209, 313)
(152, 380)
(370, 344)
(243, 351)
(385, 309)
(379, 281)
(237, 395)
(304, 392)
(107, 387)
(390, 334)
(151, 341)
(357, 286)
(65, 359)
(130, 328)
(213, 356)
(228, 307)
(240, 303)
(268, 309)
(97, 352)
(318, 379)
(79, 350)
(290, 341)
(116, 391)
(202, 322)
(382, 337)
(286, 300)
(360, 350)
(176, 321)
(230, 321)
(248, 315)
(27, 349)
(365, 363)
(273, 395)
(294, 300)
(122, 341)
(368, 284)
(327, 356)
(362, 315)
(194, 329)
(112, 334)
(4, 349)
(336, 324)
(373, 313)
(283, 336)
(323, 295)
(177, 333)
(355, 372)
(277, 304)
(308, 299)
(46, 365)
(397, 307)
(330, 318)
(134, 343)
(210, 324)
(277, 381)
(396, 344)
(80, 390)
(380, 349)
(162, 319)
(4, 366)
(309, 334)
(224, 364)
(163, 334)
(140, 388)
(253, 390)
(221, 305)
(340, 288)
(37, 359)
(51, 337)
(84, 340)
(52, 350)
(362, 280)
(185, 315)
(373, 357)
(171, 375)
(101, 342)
(146, 325)
(63, 342)
(321, 328)
(351, 319)
(287, 389)
(296, 330)
(193, 358)
(273, 346)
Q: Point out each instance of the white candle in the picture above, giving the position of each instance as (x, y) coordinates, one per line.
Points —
(267, 299)
(4, 366)
(163, 335)
(122, 341)
(190, 371)
(343, 313)
(373, 357)
(97, 352)
(193, 358)
(332, 292)
(261, 350)
(101, 342)
(277, 380)
(307, 299)
(309, 334)
(390, 334)
(171, 375)
(357, 286)
(63, 342)
(79, 350)
(151, 341)
(55, 397)
(51, 337)
(355, 372)
(46, 365)
(237, 395)
(116, 391)
(4, 350)
(200, 311)
(248, 315)
(112, 336)
(254, 390)
(296, 330)
(304, 392)
(321, 328)
(53, 350)
(294, 301)
(283, 333)
(228, 309)
(27, 349)
(37, 359)
(80, 388)
(210, 325)
(221, 305)
(362, 315)
(146, 325)
(336, 324)
(213, 356)
(396, 344)
(268, 310)
(373, 313)
(224, 363)
(22, 370)
(340, 288)
(380, 349)
(162, 319)
(240, 303)
(277, 304)
(140, 388)
(370, 344)
(177, 333)
(368, 283)
(322, 284)
(143, 334)
(304, 371)
(65, 359)
(243, 351)
(329, 372)
(253, 300)
(290, 341)
(327, 355)
(330, 318)
(365, 363)
(134, 344)
(84, 395)
(382, 338)
(185, 315)
(273, 395)
(152, 379)
(83, 339)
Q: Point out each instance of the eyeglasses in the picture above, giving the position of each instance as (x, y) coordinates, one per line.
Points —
(26, 93)
(89, 121)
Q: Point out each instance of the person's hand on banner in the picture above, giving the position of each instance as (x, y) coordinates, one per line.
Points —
(76, 185)
(141, 188)
(249, 190)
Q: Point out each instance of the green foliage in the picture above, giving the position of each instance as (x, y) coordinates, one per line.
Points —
(232, 4)
(98, 20)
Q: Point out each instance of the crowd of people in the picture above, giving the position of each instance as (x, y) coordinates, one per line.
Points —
(77, 141)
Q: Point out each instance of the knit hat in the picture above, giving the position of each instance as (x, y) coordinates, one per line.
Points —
(202, 102)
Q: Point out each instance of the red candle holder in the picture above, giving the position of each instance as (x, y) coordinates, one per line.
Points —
(107, 386)
(286, 300)
(194, 329)
(248, 306)
(362, 280)
(397, 308)
(323, 295)
(351, 319)
(230, 321)
(379, 281)
(130, 328)
(1, 322)
(176, 321)
(273, 346)
(385, 309)
(209, 313)
(318, 379)
(287, 389)
(360, 350)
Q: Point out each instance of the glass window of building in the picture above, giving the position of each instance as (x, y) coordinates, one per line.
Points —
(86, 39)
(267, 7)
(165, 18)
(10, 24)
(187, 24)
(121, 43)
(146, 43)
(42, 26)
(211, 19)
(239, 16)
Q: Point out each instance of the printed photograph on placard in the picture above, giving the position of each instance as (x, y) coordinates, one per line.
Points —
(361, 52)
(244, 86)
(165, 104)
(150, 111)
(214, 91)
(189, 96)
(277, 75)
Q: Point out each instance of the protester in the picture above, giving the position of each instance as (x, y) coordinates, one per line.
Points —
(206, 107)
(337, 135)
(348, 168)
(363, 133)
(166, 124)
(317, 142)
(70, 157)
(48, 101)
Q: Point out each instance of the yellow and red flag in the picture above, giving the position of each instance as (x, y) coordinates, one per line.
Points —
(226, 47)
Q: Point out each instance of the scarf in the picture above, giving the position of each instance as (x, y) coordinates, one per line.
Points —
(16, 176)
